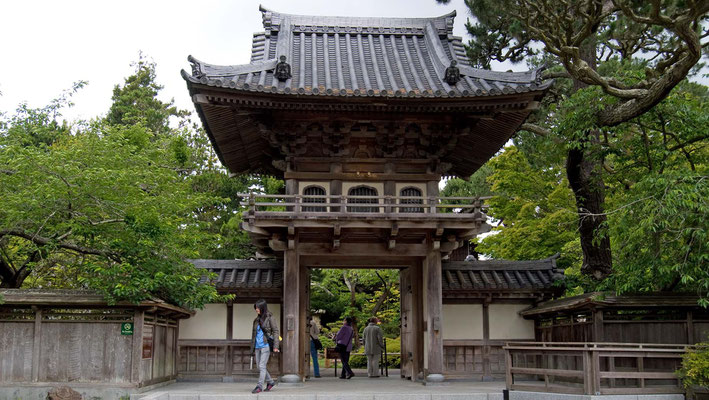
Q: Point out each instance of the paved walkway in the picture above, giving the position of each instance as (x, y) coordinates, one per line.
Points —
(358, 388)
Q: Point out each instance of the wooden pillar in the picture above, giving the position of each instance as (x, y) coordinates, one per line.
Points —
(434, 317)
(228, 368)
(304, 349)
(405, 318)
(417, 326)
(690, 328)
(36, 344)
(487, 371)
(598, 328)
(137, 356)
(291, 332)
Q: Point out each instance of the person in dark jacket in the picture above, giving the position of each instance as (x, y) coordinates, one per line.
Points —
(265, 329)
(343, 340)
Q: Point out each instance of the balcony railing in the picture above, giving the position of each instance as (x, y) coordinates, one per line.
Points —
(594, 368)
(328, 206)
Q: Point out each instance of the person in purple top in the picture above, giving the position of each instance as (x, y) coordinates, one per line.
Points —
(343, 341)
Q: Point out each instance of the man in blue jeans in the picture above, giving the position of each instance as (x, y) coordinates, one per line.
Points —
(314, 335)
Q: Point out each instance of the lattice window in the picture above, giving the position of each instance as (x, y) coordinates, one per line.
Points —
(314, 191)
(411, 192)
(362, 191)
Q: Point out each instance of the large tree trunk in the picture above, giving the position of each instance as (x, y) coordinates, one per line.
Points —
(583, 169)
(585, 173)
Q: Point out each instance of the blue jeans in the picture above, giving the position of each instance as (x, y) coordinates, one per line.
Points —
(314, 354)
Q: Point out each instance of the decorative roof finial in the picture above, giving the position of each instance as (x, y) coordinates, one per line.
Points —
(452, 73)
(282, 71)
(196, 67)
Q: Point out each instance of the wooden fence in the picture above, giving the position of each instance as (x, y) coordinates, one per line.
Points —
(89, 345)
(201, 359)
(594, 368)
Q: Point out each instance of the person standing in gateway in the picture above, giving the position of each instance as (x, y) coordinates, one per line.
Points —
(264, 339)
(373, 346)
(315, 346)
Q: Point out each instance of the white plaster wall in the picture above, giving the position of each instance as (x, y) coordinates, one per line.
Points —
(208, 323)
(506, 323)
(462, 321)
(244, 315)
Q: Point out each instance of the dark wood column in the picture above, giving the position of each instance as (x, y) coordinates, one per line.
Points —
(291, 331)
(417, 324)
(405, 318)
(434, 317)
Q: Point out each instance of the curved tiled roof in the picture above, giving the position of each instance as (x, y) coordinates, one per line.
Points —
(368, 57)
(501, 275)
(242, 274)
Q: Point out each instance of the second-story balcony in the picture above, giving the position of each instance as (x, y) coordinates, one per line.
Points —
(363, 208)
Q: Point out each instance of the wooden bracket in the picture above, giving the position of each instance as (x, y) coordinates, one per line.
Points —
(291, 243)
(276, 244)
(436, 244)
(392, 236)
(439, 230)
(291, 229)
(335, 244)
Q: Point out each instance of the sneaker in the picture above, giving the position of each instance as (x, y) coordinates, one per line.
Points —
(269, 386)
(350, 376)
(257, 389)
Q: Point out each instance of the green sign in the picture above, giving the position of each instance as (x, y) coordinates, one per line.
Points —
(127, 328)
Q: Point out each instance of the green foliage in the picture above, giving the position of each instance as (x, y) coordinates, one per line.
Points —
(695, 367)
(476, 186)
(535, 209)
(358, 294)
(136, 101)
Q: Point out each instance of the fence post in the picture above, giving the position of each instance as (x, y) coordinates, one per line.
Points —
(508, 369)
(36, 343)
(252, 206)
(297, 204)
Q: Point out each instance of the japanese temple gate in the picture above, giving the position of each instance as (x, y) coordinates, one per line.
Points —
(363, 117)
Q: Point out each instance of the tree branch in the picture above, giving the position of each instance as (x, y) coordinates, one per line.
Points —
(43, 241)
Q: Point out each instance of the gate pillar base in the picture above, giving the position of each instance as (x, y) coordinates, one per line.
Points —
(290, 380)
(435, 380)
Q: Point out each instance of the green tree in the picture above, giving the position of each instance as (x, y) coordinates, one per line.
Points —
(652, 47)
(136, 102)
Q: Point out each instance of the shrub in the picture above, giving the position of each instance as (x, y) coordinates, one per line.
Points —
(695, 366)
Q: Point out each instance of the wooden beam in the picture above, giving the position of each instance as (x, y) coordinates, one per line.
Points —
(354, 177)
(340, 261)
(364, 249)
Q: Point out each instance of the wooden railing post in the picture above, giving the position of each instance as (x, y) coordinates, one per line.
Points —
(252, 205)
(297, 201)
(432, 204)
(508, 369)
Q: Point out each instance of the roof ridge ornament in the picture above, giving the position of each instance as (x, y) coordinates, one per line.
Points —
(196, 67)
(283, 70)
(452, 75)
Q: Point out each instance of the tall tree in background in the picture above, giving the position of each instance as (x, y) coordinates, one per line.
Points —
(651, 46)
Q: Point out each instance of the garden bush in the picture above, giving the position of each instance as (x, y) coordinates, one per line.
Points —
(695, 367)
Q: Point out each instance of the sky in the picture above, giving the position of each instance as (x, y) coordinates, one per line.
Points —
(48, 45)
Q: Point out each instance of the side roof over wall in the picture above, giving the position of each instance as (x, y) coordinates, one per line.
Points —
(62, 298)
(503, 278)
(461, 279)
(608, 300)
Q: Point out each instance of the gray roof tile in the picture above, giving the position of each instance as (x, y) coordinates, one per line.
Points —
(502, 275)
(348, 56)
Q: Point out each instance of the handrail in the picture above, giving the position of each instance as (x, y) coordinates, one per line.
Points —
(289, 205)
(553, 362)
